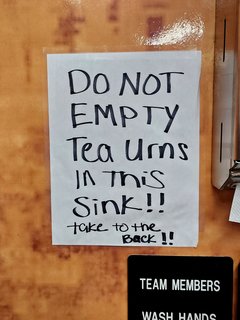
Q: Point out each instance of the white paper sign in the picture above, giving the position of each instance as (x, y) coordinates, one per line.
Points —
(235, 208)
(124, 148)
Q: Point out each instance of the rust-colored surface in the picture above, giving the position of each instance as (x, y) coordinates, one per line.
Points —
(41, 281)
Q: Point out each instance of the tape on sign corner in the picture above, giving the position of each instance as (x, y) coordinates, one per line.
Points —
(235, 209)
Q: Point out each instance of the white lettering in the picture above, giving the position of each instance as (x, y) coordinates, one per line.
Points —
(196, 316)
(157, 316)
(153, 284)
(195, 285)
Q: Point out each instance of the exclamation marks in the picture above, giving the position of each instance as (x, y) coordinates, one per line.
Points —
(162, 200)
(168, 241)
(149, 202)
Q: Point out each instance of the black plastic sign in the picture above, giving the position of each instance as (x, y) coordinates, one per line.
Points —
(179, 288)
